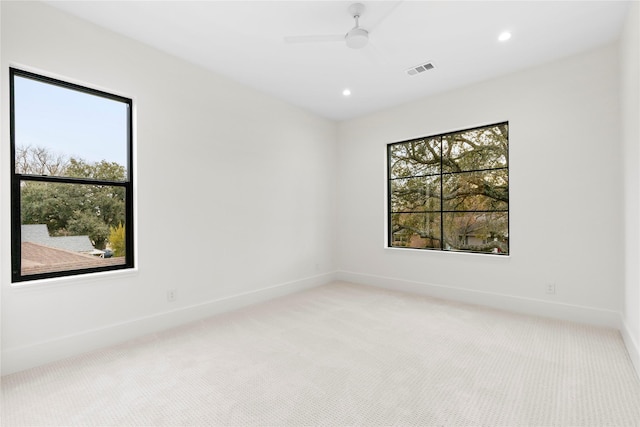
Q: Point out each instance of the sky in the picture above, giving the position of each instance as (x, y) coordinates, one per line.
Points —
(69, 122)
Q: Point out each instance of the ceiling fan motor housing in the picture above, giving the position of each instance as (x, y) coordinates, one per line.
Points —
(357, 38)
(356, 9)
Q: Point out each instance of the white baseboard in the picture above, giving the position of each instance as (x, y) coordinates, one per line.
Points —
(18, 359)
(632, 347)
(575, 313)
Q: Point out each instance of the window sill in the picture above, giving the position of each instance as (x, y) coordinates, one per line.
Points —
(429, 251)
(82, 279)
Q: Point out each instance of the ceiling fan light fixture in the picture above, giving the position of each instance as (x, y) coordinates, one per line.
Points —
(504, 36)
(357, 38)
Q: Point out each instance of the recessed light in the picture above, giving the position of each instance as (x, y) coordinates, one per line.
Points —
(346, 92)
(503, 37)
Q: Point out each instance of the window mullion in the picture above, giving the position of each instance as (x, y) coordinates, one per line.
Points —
(475, 217)
(441, 199)
(67, 225)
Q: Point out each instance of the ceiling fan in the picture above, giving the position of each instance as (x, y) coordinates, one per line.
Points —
(355, 38)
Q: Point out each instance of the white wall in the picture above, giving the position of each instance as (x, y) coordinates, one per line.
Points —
(2, 214)
(565, 193)
(235, 193)
(630, 97)
(210, 161)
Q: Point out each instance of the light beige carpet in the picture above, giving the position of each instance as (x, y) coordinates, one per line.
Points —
(342, 355)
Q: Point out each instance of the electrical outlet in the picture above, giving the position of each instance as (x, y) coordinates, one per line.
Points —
(171, 295)
(550, 289)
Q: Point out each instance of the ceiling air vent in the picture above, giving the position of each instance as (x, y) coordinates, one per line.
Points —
(418, 69)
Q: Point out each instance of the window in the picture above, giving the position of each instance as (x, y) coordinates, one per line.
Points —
(71, 182)
(450, 192)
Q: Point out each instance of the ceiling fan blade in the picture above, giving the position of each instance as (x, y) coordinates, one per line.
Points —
(386, 15)
(314, 39)
(372, 53)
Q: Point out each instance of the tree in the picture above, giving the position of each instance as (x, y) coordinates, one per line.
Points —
(39, 161)
(454, 187)
(72, 209)
(84, 223)
(117, 240)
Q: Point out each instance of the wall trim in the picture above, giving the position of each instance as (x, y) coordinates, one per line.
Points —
(632, 347)
(530, 306)
(18, 359)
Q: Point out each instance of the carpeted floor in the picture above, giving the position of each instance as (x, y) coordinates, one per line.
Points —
(342, 354)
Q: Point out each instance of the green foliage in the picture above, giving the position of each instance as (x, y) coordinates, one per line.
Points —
(454, 187)
(100, 170)
(77, 209)
(117, 240)
(83, 223)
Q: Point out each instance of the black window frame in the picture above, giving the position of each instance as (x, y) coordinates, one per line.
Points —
(441, 175)
(17, 178)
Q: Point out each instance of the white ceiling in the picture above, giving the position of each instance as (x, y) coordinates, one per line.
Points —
(244, 41)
